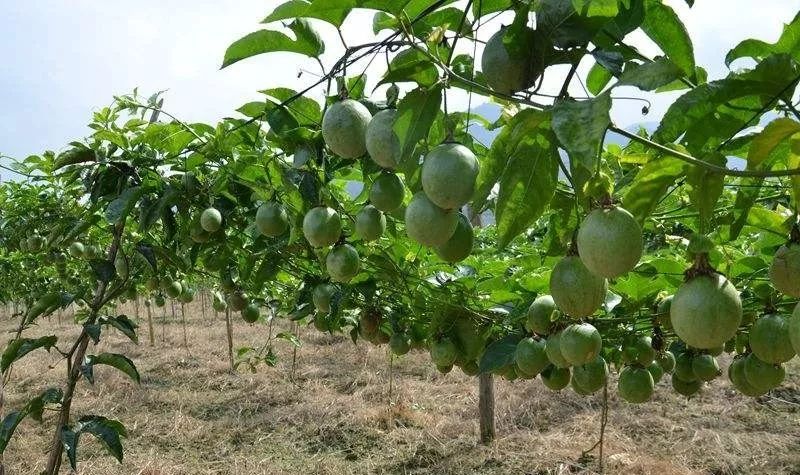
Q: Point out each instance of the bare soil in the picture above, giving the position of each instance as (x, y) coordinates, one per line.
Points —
(343, 411)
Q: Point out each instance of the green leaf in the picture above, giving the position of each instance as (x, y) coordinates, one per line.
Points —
(121, 207)
(74, 156)
(125, 325)
(487, 7)
(528, 181)
(765, 142)
(107, 431)
(33, 408)
(580, 127)
(20, 347)
(650, 184)
(415, 114)
(564, 26)
(268, 41)
(590, 8)
(290, 337)
(503, 146)
(705, 188)
(663, 26)
(331, 11)
(411, 65)
(789, 42)
(650, 76)
(306, 35)
(499, 354)
(746, 197)
(597, 78)
(120, 362)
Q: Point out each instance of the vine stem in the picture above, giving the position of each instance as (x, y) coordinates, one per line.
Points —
(74, 362)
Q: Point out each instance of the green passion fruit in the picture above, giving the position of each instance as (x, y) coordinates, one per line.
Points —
(705, 367)
(686, 388)
(429, 224)
(794, 328)
(272, 219)
(387, 192)
(443, 352)
(736, 374)
(770, 340)
(635, 384)
(251, 313)
(370, 223)
(459, 246)
(591, 376)
(580, 343)
(643, 350)
(399, 343)
(553, 349)
(530, 356)
(555, 378)
(784, 272)
(343, 263)
(382, 143)
(449, 172)
(504, 73)
(238, 301)
(706, 311)
(76, 249)
(610, 242)
(541, 313)
(322, 226)
(761, 375)
(211, 220)
(684, 369)
(173, 289)
(656, 371)
(321, 297)
(576, 291)
(344, 128)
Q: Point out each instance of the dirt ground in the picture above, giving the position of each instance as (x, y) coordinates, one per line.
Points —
(337, 415)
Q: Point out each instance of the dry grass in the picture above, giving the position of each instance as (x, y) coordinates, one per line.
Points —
(190, 415)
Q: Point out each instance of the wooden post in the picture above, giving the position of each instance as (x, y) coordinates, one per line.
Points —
(229, 331)
(486, 407)
(183, 324)
(149, 305)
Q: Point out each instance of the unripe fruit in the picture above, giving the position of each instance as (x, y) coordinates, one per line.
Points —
(667, 361)
(762, 376)
(739, 380)
(784, 272)
(576, 291)
(705, 367)
(555, 378)
(635, 384)
(770, 340)
(459, 246)
(643, 349)
(174, 289)
(343, 263)
(610, 242)
(503, 73)
(238, 301)
(794, 328)
(76, 249)
(271, 219)
(443, 352)
(344, 128)
(580, 343)
(251, 313)
(591, 376)
(449, 172)
(429, 224)
(706, 311)
(322, 226)
(553, 350)
(399, 344)
(387, 192)
(541, 314)
(530, 356)
(656, 371)
(684, 369)
(321, 296)
(211, 220)
(370, 223)
(686, 388)
(381, 141)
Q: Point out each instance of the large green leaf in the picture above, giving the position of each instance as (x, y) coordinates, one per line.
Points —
(597, 78)
(765, 142)
(331, 11)
(411, 65)
(107, 431)
(121, 207)
(663, 26)
(415, 114)
(307, 43)
(499, 354)
(650, 184)
(580, 127)
(650, 76)
(20, 347)
(564, 26)
(710, 113)
(705, 187)
(528, 181)
(33, 408)
(603, 8)
(789, 43)
(120, 362)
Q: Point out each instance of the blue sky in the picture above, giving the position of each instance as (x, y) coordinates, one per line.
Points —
(64, 59)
